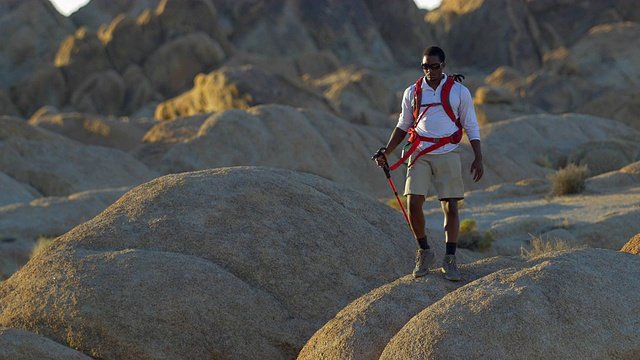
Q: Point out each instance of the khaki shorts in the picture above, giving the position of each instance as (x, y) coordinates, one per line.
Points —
(445, 170)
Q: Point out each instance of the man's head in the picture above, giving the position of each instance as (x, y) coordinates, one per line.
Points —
(433, 63)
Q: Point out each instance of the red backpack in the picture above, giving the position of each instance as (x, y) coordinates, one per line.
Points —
(414, 138)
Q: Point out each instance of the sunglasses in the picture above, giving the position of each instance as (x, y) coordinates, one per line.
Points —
(432, 66)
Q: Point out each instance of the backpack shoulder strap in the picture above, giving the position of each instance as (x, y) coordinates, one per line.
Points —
(446, 104)
(417, 99)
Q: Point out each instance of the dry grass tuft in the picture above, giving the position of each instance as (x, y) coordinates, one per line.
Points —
(539, 246)
(569, 180)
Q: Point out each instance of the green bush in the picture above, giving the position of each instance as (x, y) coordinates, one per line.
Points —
(569, 180)
(467, 225)
(471, 238)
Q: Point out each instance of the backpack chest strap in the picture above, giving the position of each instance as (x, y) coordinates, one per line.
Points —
(416, 139)
(437, 143)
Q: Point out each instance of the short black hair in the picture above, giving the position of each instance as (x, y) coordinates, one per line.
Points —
(434, 51)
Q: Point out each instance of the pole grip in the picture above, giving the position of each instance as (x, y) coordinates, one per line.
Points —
(385, 167)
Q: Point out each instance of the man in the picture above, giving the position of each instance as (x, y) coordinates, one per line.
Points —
(436, 133)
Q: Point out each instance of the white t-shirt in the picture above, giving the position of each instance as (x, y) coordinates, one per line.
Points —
(435, 123)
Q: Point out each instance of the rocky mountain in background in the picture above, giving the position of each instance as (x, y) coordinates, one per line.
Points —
(122, 57)
(199, 147)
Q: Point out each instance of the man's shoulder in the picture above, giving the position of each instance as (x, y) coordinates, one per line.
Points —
(411, 88)
(459, 86)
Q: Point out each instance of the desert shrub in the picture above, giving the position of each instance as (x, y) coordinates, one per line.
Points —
(393, 202)
(467, 225)
(471, 238)
(42, 243)
(569, 180)
(544, 161)
(563, 224)
(539, 246)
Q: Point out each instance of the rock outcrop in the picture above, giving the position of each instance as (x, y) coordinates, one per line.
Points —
(120, 133)
(240, 88)
(234, 262)
(363, 328)
(548, 142)
(281, 136)
(55, 165)
(633, 246)
(513, 310)
(22, 345)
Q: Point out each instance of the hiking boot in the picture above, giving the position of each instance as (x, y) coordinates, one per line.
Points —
(450, 269)
(424, 259)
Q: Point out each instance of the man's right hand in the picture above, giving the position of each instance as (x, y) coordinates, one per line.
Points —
(380, 157)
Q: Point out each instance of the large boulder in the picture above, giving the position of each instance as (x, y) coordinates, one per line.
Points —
(403, 28)
(22, 345)
(545, 143)
(261, 136)
(358, 32)
(46, 85)
(363, 328)
(595, 49)
(121, 133)
(633, 246)
(305, 140)
(625, 177)
(96, 13)
(25, 224)
(56, 166)
(53, 216)
(13, 255)
(33, 29)
(522, 313)
(566, 82)
(508, 309)
(232, 263)
(361, 96)
(12, 191)
(616, 104)
(512, 22)
(603, 156)
(80, 55)
(611, 230)
(240, 87)
(100, 93)
(170, 44)
(528, 29)
(172, 67)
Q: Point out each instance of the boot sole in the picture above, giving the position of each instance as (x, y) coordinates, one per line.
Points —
(420, 274)
(449, 277)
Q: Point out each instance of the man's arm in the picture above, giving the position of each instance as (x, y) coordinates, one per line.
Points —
(396, 138)
(470, 122)
(477, 170)
(405, 120)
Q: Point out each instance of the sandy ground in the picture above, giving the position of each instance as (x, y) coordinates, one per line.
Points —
(514, 220)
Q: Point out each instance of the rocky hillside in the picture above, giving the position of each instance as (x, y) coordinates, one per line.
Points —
(154, 143)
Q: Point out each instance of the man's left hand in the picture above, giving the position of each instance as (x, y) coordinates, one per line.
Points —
(477, 170)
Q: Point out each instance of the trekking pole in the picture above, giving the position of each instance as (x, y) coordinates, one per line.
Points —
(387, 172)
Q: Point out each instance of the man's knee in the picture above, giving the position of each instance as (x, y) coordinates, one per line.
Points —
(450, 207)
(415, 202)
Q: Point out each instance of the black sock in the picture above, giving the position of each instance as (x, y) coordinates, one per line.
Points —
(451, 248)
(422, 242)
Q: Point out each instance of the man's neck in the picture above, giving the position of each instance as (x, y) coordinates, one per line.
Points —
(434, 83)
